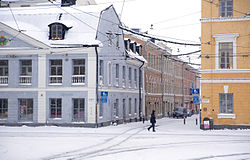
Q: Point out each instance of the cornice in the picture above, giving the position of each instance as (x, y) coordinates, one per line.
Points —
(225, 19)
(226, 71)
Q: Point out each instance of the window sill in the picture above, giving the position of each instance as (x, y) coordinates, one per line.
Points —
(3, 84)
(55, 84)
(25, 84)
(56, 119)
(226, 115)
(78, 84)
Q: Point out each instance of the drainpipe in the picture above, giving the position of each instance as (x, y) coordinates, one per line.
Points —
(140, 95)
(173, 82)
(97, 85)
(145, 53)
(183, 84)
(162, 88)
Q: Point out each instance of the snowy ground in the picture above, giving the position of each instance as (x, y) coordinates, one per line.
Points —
(172, 140)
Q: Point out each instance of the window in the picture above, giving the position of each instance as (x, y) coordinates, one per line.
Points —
(57, 31)
(135, 106)
(3, 108)
(4, 72)
(109, 73)
(25, 72)
(55, 71)
(225, 51)
(26, 109)
(129, 106)
(226, 55)
(226, 102)
(55, 107)
(101, 72)
(124, 108)
(133, 46)
(68, 2)
(226, 8)
(101, 109)
(116, 108)
(135, 76)
(138, 49)
(109, 35)
(129, 77)
(127, 42)
(117, 75)
(123, 76)
(117, 41)
(78, 71)
(78, 109)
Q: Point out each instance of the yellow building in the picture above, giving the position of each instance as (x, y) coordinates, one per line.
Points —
(225, 65)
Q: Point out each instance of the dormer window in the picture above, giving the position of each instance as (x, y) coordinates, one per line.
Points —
(138, 49)
(133, 46)
(127, 44)
(57, 31)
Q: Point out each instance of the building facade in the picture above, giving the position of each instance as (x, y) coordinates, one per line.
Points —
(167, 79)
(225, 68)
(69, 70)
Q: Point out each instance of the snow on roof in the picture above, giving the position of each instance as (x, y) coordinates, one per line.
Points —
(34, 21)
(136, 56)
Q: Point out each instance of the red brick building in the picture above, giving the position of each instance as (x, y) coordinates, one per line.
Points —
(167, 79)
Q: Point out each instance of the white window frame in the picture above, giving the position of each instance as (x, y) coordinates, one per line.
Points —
(129, 77)
(109, 73)
(3, 108)
(77, 105)
(135, 78)
(116, 108)
(57, 77)
(129, 106)
(4, 77)
(117, 74)
(219, 38)
(101, 72)
(123, 76)
(78, 79)
(23, 107)
(57, 106)
(101, 109)
(25, 78)
(226, 8)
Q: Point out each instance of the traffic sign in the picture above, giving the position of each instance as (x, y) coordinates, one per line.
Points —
(196, 99)
(104, 96)
(196, 91)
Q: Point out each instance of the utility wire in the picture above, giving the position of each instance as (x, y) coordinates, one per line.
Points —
(158, 39)
(209, 1)
(14, 19)
(177, 26)
(184, 54)
(171, 19)
(122, 8)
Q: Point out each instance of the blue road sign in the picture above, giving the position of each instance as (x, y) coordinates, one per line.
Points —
(104, 96)
(196, 99)
(196, 91)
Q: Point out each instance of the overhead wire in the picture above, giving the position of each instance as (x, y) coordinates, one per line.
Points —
(209, 1)
(158, 39)
(171, 19)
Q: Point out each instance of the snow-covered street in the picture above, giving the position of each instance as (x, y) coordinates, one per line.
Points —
(172, 140)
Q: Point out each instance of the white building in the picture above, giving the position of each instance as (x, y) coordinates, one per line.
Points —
(66, 66)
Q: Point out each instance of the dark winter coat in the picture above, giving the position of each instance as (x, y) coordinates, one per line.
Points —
(152, 118)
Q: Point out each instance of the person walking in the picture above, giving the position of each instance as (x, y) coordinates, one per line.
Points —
(152, 121)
